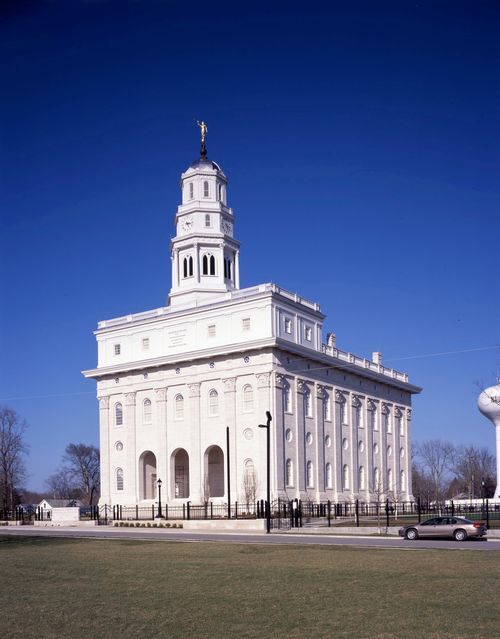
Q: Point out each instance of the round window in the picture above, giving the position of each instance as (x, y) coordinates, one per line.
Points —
(119, 446)
(248, 433)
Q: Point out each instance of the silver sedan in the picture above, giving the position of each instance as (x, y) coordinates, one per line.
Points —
(457, 527)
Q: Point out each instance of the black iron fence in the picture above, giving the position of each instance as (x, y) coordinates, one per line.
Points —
(284, 514)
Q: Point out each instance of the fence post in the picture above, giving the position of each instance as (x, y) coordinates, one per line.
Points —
(452, 508)
(300, 513)
(419, 510)
(236, 510)
(152, 511)
(487, 515)
(183, 511)
(189, 510)
(137, 512)
(387, 513)
(329, 506)
(356, 511)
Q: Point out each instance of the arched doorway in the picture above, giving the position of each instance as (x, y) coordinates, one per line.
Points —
(214, 470)
(180, 470)
(147, 475)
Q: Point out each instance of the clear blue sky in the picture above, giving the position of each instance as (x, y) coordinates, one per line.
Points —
(361, 141)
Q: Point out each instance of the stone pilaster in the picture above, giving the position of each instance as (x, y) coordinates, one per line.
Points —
(195, 458)
(132, 454)
(301, 434)
(105, 451)
(162, 461)
(230, 421)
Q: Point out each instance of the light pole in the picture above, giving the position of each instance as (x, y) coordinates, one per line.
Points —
(160, 514)
(268, 504)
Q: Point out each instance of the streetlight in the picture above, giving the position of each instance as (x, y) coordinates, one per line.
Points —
(160, 514)
(268, 427)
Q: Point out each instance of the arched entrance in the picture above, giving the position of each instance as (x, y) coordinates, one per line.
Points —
(180, 470)
(214, 470)
(147, 475)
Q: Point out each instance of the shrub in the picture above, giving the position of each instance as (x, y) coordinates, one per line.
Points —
(121, 523)
(155, 525)
(174, 525)
(161, 525)
(167, 525)
(137, 524)
(149, 524)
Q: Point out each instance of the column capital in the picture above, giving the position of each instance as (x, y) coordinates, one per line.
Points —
(408, 413)
(194, 389)
(130, 399)
(340, 396)
(229, 384)
(301, 386)
(103, 402)
(161, 394)
(263, 380)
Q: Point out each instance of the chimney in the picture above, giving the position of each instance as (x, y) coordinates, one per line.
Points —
(377, 358)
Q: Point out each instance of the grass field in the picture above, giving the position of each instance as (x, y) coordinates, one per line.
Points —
(123, 588)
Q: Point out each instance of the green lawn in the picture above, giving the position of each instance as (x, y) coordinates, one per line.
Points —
(120, 588)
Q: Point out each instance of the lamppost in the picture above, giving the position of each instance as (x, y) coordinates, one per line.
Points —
(483, 485)
(160, 514)
(268, 504)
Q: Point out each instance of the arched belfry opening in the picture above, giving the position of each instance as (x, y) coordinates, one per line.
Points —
(180, 474)
(147, 475)
(214, 470)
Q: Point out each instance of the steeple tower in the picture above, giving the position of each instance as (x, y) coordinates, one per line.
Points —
(205, 256)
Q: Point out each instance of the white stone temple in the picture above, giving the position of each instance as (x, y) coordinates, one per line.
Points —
(170, 381)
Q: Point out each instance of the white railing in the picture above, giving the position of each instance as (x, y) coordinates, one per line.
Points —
(345, 356)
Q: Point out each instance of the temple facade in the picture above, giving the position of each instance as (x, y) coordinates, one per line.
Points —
(183, 388)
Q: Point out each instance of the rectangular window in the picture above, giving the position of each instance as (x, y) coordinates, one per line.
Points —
(245, 324)
(117, 349)
(145, 344)
(288, 325)
(211, 330)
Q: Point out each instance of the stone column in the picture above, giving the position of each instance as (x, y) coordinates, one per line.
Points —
(370, 456)
(384, 442)
(162, 460)
(264, 403)
(301, 441)
(407, 458)
(195, 454)
(196, 260)
(105, 451)
(279, 428)
(230, 421)
(132, 471)
(339, 459)
(319, 442)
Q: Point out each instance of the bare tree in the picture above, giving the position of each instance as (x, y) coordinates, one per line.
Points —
(82, 468)
(12, 452)
(473, 465)
(436, 460)
(250, 487)
(61, 485)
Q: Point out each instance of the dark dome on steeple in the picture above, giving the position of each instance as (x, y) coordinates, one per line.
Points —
(205, 163)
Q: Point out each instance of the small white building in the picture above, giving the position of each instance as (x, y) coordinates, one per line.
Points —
(171, 380)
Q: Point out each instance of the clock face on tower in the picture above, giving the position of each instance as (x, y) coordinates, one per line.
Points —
(186, 224)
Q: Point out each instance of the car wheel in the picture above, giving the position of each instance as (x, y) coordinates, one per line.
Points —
(411, 534)
(460, 535)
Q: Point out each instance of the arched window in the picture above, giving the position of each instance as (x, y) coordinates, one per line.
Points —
(376, 479)
(402, 480)
(287, 398)
(191, 191)
(207, 220)
(212, 265)
(289, 473)
(119, 479)
(358, 414)
(389, 479)
(229, 274)
(205, 189)
(184, 267)
(326, 408)
(345, 477)
(342, 411)
(146, 411)
(329, 477)
(179, 407)
(205, 265)
(220, 192)
(213, 403)
(190, 266)
(247, 398)
(118, 415)
(307, 403)
(373, 417)
(362, 478)
(309, 474)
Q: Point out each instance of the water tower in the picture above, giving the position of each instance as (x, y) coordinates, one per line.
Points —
(489, 404)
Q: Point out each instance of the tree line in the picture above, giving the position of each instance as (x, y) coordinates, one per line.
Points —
(442, 470)
(77, 477)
